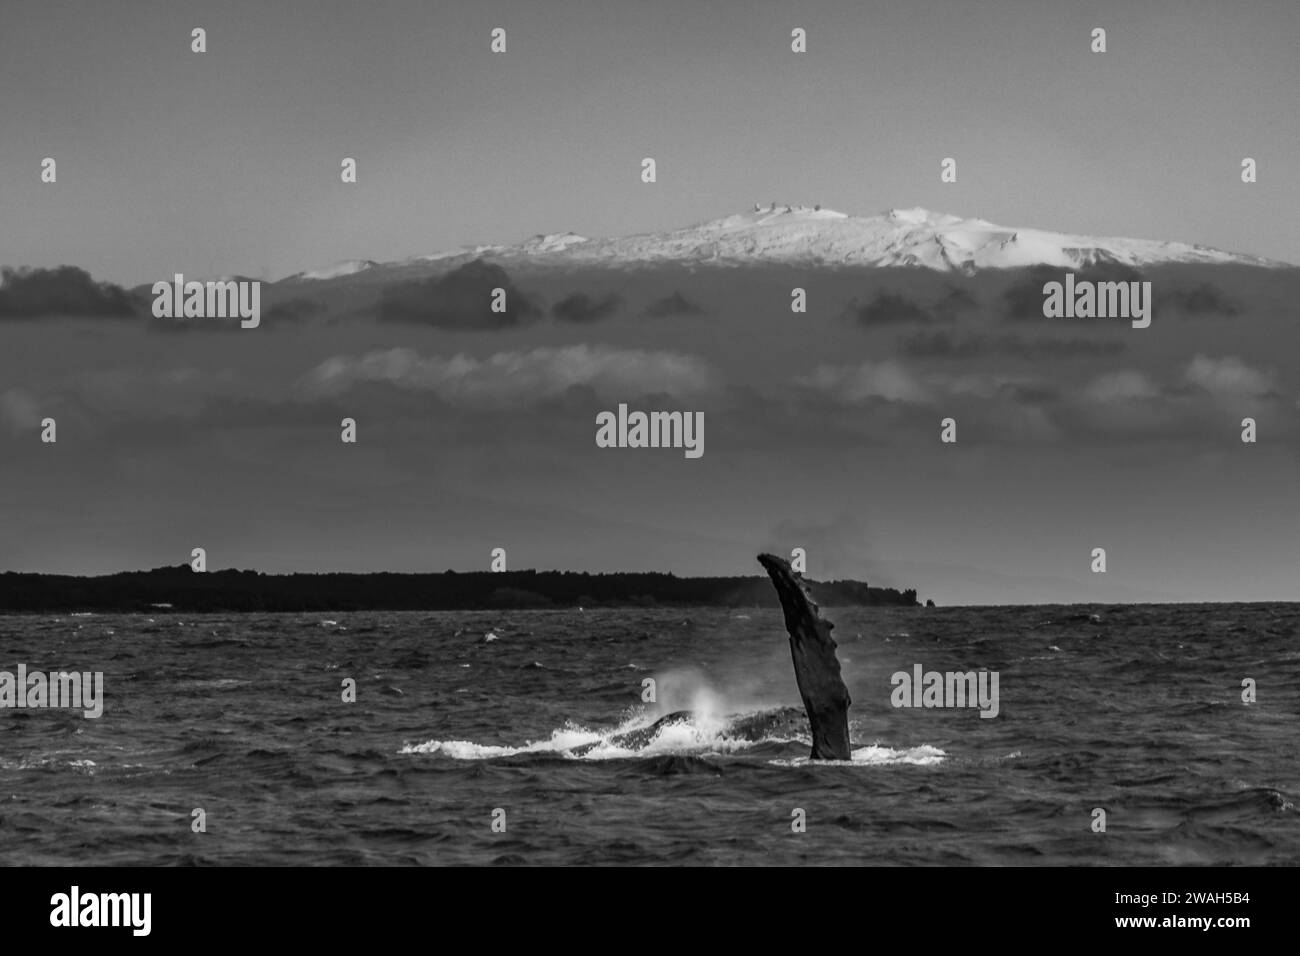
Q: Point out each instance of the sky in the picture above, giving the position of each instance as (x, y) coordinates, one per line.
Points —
(822, 429)
(227, 162)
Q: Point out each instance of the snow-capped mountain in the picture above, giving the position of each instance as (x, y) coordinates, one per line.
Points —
(813, 236)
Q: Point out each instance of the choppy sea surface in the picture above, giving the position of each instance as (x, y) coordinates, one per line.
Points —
(464, 718)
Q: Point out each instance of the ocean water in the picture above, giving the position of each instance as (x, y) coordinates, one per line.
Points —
(1133, 709)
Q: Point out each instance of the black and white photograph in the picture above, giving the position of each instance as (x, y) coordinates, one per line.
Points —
(671, 434)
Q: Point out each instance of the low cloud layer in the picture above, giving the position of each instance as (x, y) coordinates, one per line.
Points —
(509, 378)
(945, 345)
(889, 380)
(1194, 400)
(1230, 377)
(671, 305)
(1023, 302)
(580, 307)
(1201, 301)
(460, 300)
(892, 308)
(889, 308)
(64, 291)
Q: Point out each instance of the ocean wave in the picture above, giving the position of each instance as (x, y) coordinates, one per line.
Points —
(876, 756)
(643, 736)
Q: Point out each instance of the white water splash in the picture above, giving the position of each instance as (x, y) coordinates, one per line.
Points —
(707, 733)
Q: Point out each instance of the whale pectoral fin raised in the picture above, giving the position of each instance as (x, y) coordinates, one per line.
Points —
(816, 668)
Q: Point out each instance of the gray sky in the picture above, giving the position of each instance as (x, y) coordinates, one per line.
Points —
(228, 162)
(821, 430)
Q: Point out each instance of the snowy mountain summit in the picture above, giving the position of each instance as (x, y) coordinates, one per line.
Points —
(815, 236)
(812, 235)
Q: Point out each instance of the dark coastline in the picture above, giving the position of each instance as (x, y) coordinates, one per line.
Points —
(239, 591)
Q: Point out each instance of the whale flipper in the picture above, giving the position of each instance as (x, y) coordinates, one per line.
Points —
(816, 668)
